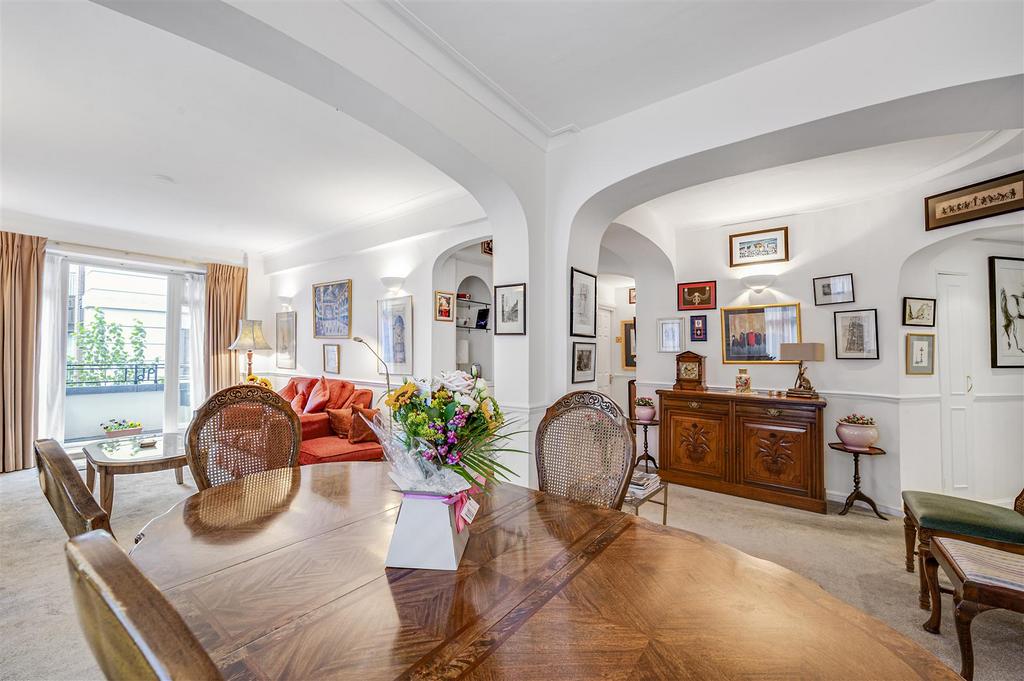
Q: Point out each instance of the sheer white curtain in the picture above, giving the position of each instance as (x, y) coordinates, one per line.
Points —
(53, 348)
(195, 302)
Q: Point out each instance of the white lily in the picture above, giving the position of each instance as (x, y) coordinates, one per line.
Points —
(457, 381)
(468, 403)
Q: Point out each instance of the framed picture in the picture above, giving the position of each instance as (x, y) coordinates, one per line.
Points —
(754, 248)
(698, 328)
(510, 310)
(582, 303)
(834, 289)
(856, 333)
(394, 334)
(918, 311)
(1006, 311)
(632, 295)
(670, 335)
(286, 331)
(753, 334)
(920, 354)
(332, 309)
(629, 345)
(332, 358)
(584, 362)
(444, 306)
(999, 195)
(487, 247)
(696, 295)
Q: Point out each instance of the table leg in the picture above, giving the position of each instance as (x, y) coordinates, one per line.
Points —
(90, 476)
(664, 508)
(106, 490)
(963, 614)
(179, 475)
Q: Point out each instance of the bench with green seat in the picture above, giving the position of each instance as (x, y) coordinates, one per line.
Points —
(930, 515)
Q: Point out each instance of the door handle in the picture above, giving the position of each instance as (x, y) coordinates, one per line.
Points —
(970, 384)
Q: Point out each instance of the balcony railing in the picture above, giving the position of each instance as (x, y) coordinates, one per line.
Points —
(82, 374)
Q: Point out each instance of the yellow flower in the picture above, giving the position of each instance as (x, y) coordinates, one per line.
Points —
(400, 397)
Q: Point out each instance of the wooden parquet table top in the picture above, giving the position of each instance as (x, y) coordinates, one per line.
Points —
(281, 575)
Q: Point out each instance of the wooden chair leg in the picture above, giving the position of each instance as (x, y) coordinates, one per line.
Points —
(964, 614)
(923, 553)
(931, 573)
(909, 538)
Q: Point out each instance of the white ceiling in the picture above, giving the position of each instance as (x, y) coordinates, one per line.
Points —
(573, 63)
(108, 121)
(825, 182)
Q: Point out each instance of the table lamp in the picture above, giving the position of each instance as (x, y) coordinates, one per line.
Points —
(250, 337)
(802, 352)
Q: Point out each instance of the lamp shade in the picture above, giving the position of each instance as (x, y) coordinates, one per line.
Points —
(804, 352)
(250, 336)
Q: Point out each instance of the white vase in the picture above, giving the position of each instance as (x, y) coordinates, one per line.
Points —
(857, 436)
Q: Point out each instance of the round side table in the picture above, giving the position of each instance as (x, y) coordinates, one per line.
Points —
(646, 456)
(856, 493)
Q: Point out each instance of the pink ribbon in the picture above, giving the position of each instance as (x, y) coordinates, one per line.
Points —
(459, 500)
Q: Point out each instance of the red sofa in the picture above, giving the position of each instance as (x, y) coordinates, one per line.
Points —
(319, 443)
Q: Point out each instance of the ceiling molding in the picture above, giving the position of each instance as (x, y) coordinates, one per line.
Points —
(403, 26)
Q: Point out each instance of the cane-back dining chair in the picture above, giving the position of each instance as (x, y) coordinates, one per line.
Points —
(72, 502)
(585, 450)
(133, 631)
(241, 430)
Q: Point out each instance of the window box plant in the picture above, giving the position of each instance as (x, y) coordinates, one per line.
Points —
(121, 428)
(857, 432)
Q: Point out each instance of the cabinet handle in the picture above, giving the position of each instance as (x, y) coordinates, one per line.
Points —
(773, 412)
(693, 405)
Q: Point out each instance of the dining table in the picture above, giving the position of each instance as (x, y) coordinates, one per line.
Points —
(281, 575)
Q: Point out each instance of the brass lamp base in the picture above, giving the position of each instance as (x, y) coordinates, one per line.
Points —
(802, 388)
(802, 394)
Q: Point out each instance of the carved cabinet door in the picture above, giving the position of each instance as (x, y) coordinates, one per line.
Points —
(698, 442)
(775, 454)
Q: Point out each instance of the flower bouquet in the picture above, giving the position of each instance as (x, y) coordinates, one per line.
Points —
(443, 441)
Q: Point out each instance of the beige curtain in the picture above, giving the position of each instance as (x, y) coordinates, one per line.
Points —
(225, 305)
(21, 284)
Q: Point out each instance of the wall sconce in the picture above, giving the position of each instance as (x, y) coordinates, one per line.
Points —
(285, 302)
(392, 284)
(758, 282)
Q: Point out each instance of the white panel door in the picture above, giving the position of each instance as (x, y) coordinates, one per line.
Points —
(604, 351)
(956, 383)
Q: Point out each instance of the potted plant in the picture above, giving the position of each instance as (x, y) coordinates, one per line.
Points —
(858, 432)
(644, 409)
(121, 427)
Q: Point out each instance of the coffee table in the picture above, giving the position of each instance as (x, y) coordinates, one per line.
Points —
(124, 456)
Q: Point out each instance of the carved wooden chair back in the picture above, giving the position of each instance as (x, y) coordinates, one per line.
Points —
(62, 486)
(584, 450)
(631, 394)
(134, 633)
(1018, 504)
(241, 430)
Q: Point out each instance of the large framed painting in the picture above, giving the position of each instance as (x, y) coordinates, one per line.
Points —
(582, 303)
(763, 245)
(920, 354)
(999, 195)
(332, 309)
(753, 334)
(584, 362)
(918, 311)
(1006, 311)
(286, 331)
(510, 310)
(629, 345)
(856, 334)
(394, 334)
(833, 289)
(696, 295)
(670, 335)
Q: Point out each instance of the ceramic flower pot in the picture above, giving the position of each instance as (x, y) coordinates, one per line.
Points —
(856, 436)
(644, 413)
(124, 432)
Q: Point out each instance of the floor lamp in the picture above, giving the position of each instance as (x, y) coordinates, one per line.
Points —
(387, 373)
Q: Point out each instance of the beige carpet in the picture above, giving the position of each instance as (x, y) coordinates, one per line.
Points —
(857, 557)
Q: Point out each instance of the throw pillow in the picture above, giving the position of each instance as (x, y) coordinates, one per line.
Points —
(298, 403)
(341, 421)
(360, 430)
(319, 396)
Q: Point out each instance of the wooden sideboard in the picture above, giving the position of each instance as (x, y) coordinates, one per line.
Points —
(746, 444)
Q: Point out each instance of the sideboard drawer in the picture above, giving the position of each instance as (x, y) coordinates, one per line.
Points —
(776, 412)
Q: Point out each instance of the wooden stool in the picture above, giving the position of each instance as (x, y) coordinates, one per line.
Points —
(982, 578)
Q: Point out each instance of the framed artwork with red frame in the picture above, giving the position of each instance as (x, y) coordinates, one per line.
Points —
(697, 295)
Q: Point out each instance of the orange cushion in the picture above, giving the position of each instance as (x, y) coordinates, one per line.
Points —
(327, 449)
(340, 392)
(318, 397)
(360, 430)
(298, 403)
(341, 421)
(360, 398)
